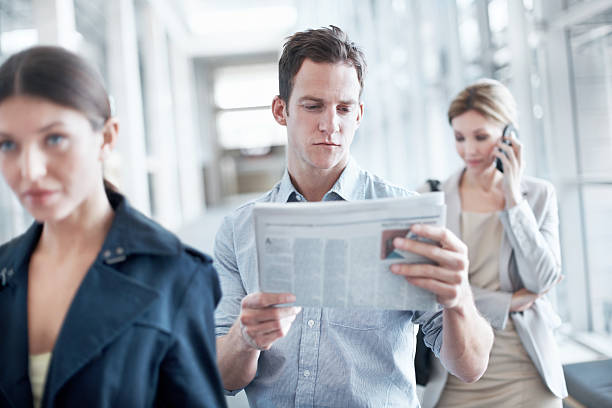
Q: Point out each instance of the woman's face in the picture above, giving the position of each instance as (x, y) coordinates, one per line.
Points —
(475, 139)
(49, 155)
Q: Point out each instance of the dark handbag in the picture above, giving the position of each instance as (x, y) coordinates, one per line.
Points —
(423, 356)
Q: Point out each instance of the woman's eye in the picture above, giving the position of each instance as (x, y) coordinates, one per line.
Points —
(459, 138)
(481, 138)
(55, 139)
(7, 146)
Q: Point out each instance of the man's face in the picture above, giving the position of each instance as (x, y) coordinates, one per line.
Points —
(322, 116)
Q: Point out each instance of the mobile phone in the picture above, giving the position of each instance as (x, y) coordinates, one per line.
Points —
(509, 131)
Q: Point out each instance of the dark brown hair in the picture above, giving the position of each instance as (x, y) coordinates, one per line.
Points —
(59, 76)
(327, 44)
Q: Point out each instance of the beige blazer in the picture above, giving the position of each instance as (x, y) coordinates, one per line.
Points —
(529, 258)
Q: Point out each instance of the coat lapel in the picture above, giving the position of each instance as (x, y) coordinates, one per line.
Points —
(506, 281)
(14, 378)
(14, 364)
(505, 252)
(453, 203)
(106, 304)
(108, 300)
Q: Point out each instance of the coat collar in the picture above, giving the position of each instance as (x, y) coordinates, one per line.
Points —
(131, 233)
(106, 303)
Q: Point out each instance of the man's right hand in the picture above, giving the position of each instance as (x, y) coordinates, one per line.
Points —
(261, 322)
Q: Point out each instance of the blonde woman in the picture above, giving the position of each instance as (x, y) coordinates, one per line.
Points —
(510, 224)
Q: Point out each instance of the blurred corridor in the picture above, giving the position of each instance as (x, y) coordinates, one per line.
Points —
(192, 82)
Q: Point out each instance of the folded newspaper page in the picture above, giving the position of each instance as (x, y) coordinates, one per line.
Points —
(338, 253)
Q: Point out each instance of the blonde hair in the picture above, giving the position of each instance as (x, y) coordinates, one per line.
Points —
(488, 97)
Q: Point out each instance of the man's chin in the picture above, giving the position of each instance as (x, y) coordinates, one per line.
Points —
(327, 165)
(328, 162)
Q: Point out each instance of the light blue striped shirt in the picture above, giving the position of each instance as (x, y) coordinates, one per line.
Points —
(330, 357)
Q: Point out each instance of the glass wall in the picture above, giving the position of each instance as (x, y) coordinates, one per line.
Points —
(590, 47)
(16, 32)
(150, 79)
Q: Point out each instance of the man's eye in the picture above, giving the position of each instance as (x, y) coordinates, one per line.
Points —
(7, 146)
(344, 109)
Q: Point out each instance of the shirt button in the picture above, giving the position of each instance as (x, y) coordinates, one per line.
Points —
(306, 373)
(119, 251)
(311, 323)
(107, 254)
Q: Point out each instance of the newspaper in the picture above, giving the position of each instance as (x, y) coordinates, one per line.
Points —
(338, 253)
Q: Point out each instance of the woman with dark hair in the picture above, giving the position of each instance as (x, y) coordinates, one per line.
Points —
(103, 307)
(510, 225)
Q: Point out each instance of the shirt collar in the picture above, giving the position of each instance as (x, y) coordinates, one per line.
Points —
(286, 190)
(347, 187)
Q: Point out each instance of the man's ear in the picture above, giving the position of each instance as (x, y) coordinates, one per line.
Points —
(279, 110)
(359, 114)
(110, 132)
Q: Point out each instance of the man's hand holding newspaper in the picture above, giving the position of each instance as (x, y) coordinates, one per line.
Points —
(338, 254)
(448, 280)
(261, 322)
(346, 264)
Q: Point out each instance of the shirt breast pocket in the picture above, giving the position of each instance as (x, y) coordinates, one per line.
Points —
(358, 319)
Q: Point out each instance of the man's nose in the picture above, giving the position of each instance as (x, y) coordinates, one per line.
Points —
(33, 163)
(329, 122)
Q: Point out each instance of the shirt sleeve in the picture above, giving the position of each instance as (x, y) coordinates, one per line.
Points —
(188, 374)
(231, 284)
(431, 326)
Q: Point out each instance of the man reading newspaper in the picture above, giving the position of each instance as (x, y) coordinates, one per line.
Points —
(292, 357)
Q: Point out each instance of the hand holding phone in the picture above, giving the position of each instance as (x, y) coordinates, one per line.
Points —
(509, 132)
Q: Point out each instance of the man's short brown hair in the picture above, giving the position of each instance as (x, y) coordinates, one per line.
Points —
(326, 44)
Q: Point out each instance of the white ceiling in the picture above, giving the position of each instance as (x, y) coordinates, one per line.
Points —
(222, 27)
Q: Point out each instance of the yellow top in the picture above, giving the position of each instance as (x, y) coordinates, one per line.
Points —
(39, 364)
